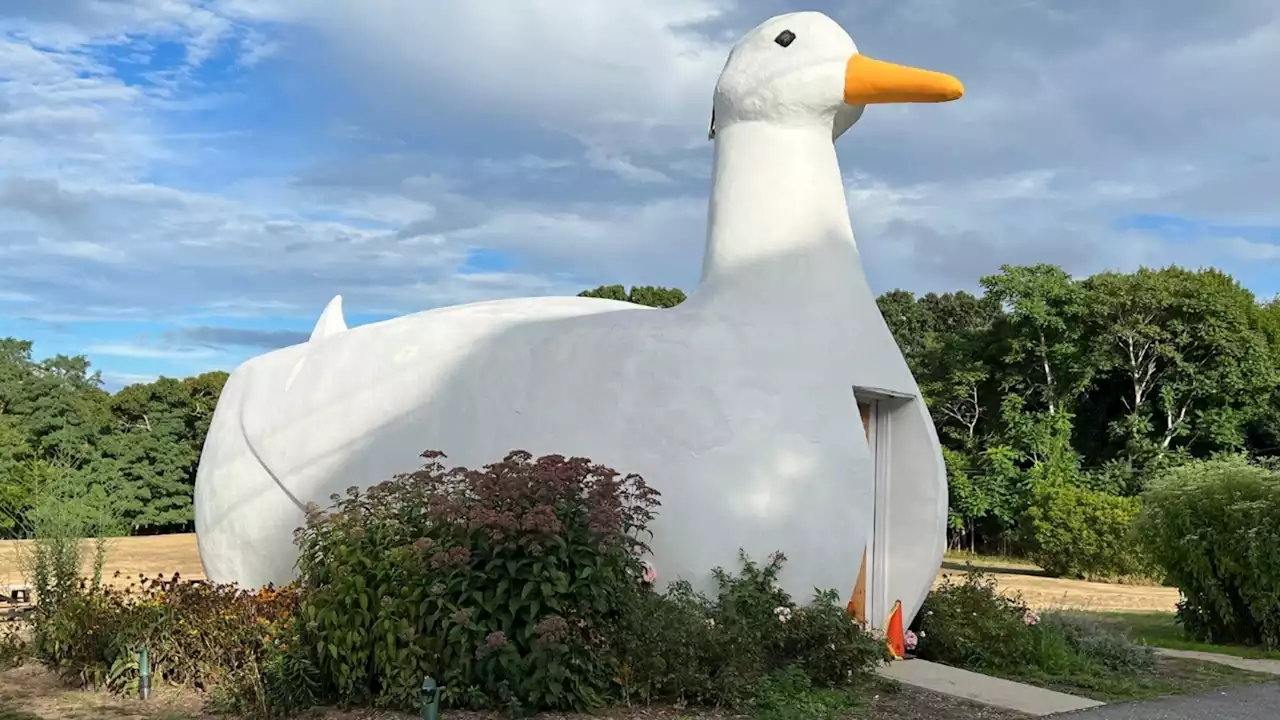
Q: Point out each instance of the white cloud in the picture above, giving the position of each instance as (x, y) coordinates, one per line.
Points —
(115, 380)
(571, 136)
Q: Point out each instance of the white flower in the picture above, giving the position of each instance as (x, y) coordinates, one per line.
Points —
(783, 613)
(711, 622)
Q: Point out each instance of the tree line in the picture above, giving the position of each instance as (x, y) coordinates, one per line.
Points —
(1041, 378)
(136, 449)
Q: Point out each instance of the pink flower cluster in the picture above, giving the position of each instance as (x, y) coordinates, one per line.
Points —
(650, 574)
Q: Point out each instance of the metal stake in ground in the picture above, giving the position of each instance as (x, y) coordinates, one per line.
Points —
(144, 674)
(430, 699)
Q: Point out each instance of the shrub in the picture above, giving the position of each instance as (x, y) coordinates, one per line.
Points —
(521, 586)
(748, 647)
(1106, 648)
(1213, 528)
(789, 694)
(969, 624)
(13, 645)
(500, 582)
(1084, 533)
(197, 635)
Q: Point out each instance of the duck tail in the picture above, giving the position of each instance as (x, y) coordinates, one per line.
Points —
(331, 321)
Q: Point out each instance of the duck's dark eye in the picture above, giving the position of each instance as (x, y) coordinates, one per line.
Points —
(785, 38)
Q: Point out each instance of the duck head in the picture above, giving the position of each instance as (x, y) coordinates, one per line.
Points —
(803, 69)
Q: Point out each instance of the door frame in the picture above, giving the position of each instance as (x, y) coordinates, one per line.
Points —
(874, 576)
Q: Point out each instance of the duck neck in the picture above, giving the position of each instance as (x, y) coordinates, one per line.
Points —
(778, 221)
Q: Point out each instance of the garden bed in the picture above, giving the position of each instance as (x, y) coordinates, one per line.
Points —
(32, 693)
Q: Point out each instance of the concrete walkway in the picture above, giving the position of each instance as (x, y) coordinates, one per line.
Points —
(1271, 667)
(983, 688)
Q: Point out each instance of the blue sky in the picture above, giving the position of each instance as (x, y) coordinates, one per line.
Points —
(186, 183)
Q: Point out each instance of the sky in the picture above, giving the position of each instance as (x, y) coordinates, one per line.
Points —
(185, 184)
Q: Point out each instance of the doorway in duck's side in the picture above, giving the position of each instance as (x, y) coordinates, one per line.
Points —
(869, 602)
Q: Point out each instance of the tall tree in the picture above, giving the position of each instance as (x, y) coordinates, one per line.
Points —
(1047, 359)
(912, 326)
(1192, 351)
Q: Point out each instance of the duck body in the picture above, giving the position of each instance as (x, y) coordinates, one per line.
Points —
(738, 405)
(743, 457)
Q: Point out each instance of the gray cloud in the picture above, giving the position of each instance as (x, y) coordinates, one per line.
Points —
(43, 198)
(222, 337)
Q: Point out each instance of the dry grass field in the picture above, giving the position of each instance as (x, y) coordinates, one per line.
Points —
(167, 554)
(131, 556)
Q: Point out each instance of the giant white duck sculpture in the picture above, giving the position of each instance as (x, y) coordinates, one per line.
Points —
(748, 406)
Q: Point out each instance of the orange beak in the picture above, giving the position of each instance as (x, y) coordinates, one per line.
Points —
(870, 82)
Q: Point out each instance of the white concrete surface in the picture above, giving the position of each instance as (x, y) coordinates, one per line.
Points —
(738, 405)
(1258, 665)
(983, 688)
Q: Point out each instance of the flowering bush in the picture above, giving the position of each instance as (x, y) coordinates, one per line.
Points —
(502, 583)
(683, 647)
(970, 624)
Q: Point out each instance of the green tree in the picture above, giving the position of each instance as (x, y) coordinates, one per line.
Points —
(1047, 359)
(912, 326)
(657, 297)
(150, 461)
(137, 450)
(1192, 353)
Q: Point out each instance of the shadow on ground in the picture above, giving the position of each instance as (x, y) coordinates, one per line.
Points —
(965, 566)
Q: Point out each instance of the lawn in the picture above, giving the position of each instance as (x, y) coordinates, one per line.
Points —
(1172, 676)
(1159, 629)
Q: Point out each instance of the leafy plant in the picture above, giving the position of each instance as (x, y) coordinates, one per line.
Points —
(13, 645)
(969, 624)
(500, 582)
(1099, 645)
(62, 516)
(1213, 527)
(789, 694)
(748, 647)
(200, 635)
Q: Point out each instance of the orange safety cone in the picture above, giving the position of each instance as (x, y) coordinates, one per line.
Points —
(895, 636)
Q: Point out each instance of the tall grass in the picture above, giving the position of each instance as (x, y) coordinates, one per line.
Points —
(67, 521)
